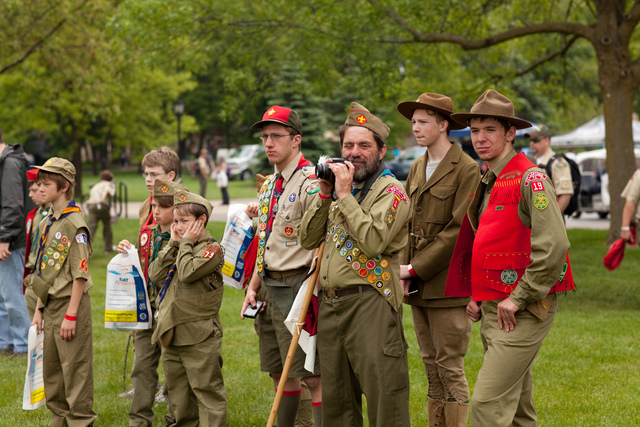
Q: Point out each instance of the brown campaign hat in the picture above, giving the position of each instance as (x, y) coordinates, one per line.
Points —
(183, 197)
(360, 116)
(166, 188)
(431, 101)
(280, 115)
(492, 104)
(539, 130)
(60, 166)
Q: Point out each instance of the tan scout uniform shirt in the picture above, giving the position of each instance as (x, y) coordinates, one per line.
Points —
(549, 242)
(283, 251)
(560, 171)
(192, 300)
(66, 256)
(437, 209)
(632, 192)
(363, 241)
(144, 212)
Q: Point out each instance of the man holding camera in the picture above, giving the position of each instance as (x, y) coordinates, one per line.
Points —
(362, 215)
(282, 264)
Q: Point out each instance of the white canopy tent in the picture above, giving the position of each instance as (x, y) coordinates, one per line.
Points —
(589, 135)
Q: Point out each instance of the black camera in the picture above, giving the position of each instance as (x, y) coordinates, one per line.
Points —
(324, 172)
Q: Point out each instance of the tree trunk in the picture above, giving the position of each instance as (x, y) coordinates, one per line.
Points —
(77, 162)
(618, 88)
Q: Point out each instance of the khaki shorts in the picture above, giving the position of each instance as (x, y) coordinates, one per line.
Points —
(275, 338)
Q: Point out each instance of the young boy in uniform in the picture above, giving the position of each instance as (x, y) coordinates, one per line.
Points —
(151, 240)
(33, 234)
(61, 281)
(189, 328)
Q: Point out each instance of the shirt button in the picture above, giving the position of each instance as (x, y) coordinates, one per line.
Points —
(267, 248)
(417, 228)
(419, 209)
(324, 277)
(327, 256)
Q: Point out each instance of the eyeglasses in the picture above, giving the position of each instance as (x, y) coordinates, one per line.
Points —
(274, 137)
(535, 140)
(151, 175)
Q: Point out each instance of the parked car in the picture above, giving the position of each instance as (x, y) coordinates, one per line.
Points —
(245, 161)
(594, 188)
(401, 164)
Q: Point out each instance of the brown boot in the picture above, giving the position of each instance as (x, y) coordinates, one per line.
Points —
(435, 412)
(456, 414)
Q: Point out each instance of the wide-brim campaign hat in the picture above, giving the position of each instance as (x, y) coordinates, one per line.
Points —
(61, 167)
(360, 116)
(492, 104)
(280, 115)
(431, 101)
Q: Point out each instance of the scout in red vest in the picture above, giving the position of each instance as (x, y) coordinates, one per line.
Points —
(511, 258)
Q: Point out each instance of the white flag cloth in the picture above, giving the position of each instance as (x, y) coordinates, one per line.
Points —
(307, 339)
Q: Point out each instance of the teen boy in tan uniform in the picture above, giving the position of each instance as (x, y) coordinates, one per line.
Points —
(439, 187)
(281, 262)
(187, 272)
(163, 164)
(631, 210)
(62, 280)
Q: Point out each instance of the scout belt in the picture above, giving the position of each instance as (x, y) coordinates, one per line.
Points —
(343, 292)
(277, 275)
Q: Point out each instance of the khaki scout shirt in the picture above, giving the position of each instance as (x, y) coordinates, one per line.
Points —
(66, 256)
(549, 242)
(363, 241)
(437, 208)
(144, 212)
(632, 192)
(192, 301)
(560, 171)
(283, 251)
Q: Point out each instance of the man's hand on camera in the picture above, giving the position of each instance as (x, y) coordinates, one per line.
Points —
(344, 178)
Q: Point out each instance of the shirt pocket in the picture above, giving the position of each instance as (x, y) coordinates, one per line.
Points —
(441, 203)
(503, 271)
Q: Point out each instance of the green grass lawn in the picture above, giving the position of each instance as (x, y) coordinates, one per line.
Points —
(587, 372)
(137, 191)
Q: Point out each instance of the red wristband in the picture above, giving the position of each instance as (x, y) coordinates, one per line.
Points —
(412, 271)
(324, 197)
(71, 318)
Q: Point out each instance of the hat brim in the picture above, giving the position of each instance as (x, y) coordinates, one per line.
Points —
(463, 119)
(262, 123)
(407, 108)
(57, 172)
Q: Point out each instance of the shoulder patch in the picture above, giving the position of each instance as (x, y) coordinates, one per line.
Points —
(531, 176)
(540, 201)
(398, 192)
(84, 266)
(82, 238)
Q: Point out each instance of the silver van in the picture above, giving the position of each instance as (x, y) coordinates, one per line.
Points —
(244, 161)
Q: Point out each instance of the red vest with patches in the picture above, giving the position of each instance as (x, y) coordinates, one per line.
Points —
(502, 245)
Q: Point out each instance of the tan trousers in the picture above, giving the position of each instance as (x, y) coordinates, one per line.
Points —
(443, 337)
(195, 384)
(68, 365)
(503, 395)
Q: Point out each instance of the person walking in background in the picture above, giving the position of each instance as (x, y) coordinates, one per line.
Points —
(222, 180)
(631, 210)
(14, 319)
(203, 171)
(99, 205)
(440, 186)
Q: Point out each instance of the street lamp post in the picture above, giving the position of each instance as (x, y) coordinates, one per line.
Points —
(178, 109)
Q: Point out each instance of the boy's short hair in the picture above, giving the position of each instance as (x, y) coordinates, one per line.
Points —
(192, 209)
(164, 201)
(32, 183)
(164, 157)
(58, 179)
(106, 175)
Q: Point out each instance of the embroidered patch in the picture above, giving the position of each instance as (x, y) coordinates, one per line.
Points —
(371, 278)
(164, 188)
(384, 263)
(182, 197)
(363, 258)
(355, 251)
(370, 264)
(510, 175)
(291, 243)
(143, 239)
(45, 258)
(509, 277)
(532, 176)
(313, 188)
(62, 258)
(60, 247)
(348, 244)
(58, 235)
(537, 186)
(54, 243)
(292, 197)
(355, 265)
(55, 256)
(361, 119)
(50, 262)
(57, 266)
(387, 292)
(43, 266)
(499, 208)
(379, 284)
(390, 219)
(564, 271)
(81, 238)
(540, 201)
(64, 239)
(378, 271)
(386, 276)
(83, 265)
(398, 192)
(363, 272)
(349, 258)
(288, 231)
(471, 196)
(211, 251)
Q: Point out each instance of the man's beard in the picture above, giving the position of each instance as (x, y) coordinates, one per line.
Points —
(367, 171)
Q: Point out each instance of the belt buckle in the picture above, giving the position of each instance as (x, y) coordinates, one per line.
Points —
(330, 293)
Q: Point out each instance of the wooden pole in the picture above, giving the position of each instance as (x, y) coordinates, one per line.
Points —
(295, 338)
